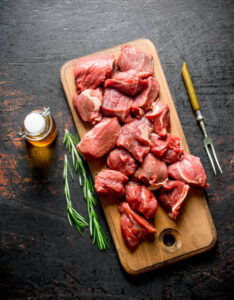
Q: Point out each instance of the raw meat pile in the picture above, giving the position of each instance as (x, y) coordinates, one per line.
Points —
(132, 127)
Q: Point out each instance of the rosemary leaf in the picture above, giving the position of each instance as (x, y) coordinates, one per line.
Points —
(69, 218)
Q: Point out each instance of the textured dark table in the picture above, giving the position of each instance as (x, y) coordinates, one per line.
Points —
(41, 256)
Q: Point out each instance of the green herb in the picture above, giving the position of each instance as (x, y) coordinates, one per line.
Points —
(86, 181)
(73, 216)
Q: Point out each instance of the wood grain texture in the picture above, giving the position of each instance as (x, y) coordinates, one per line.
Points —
(41, 256)
(195, 228)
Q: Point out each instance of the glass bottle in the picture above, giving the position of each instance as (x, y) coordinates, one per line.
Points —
(39, 128)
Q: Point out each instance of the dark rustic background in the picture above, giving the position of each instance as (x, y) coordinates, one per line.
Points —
(41, 256)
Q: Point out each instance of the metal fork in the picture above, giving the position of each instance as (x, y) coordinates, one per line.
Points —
(196, 107)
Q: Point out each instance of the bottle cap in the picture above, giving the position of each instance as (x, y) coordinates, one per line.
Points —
(34, 123)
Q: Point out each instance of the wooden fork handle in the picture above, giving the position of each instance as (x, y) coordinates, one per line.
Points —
(190, 88)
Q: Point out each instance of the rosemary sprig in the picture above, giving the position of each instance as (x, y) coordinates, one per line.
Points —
(73, 216)
(86, 181)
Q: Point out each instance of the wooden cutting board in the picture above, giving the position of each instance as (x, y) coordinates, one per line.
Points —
(193, 232)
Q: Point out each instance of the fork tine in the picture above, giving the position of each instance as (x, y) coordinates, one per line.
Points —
(211, 160)
(215, 156)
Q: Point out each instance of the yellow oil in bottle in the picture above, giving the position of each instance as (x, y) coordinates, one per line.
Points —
(39, 128)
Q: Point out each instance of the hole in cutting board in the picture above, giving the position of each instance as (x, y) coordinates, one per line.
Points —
(170, 239)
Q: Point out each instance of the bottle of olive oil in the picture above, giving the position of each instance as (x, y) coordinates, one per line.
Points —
(39, 128)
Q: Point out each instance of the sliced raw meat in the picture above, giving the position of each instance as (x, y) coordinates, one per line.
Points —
(110, 182)
(160, 115)
(116, 104)
(121, 160)
(143, 102)
(134, 59)
(91, 71)
(172, 195)
(100, 139)
(87, 105)
(133, 227)
(174, 151)
(159, 144)
(135, 137)
(189, 170)
(130, 82)
(152, 172)
(141, 199)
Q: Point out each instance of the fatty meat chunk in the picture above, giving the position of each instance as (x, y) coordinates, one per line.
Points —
(87, 105)
(121, 160)
(152, 172)
(172, 195)
(130, 82)
(100, 139)
(133, 59)
(189, 170)
(110, 182)
(117, 104)
(133, 227)
(144, 101)
(135, 137)
(141, 199)
(160, 116)
(91, 71)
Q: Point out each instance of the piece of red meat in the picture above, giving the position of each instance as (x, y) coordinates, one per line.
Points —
(189, 170)
(144, 101)
(172, 195)
(167, 147)
(100, 139)
(133, 227)
(110, 182)
(160, 116)
(121, 160)
(130, 82)
(133, 59)
(159, 144)
(91, 71)
(175, 151)
(135, 137)
(141, 199)
(152, 172)
(87, 105)
(116, 104)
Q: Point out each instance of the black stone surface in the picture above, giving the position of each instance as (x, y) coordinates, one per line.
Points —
(41, 256)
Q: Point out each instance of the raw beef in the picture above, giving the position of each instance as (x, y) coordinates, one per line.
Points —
(159, 144)
(160, 115)
(133, 59)
(110, 182)
(130, 82)
(174, 151)
(189, 170)
(141, 199)
(143, 102)
(172, 195)
(100, 139)
(91, 71)
(117, 104)
(133, 227)
(87, 105)
(152, 172)
(135, 137)
(121, 160)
